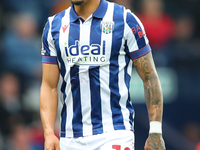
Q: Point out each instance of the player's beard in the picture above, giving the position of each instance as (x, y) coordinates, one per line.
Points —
(77, 2)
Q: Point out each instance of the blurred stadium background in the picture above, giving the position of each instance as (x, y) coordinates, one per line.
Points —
(172, 27)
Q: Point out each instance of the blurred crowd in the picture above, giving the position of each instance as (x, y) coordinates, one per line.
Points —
(171, 27)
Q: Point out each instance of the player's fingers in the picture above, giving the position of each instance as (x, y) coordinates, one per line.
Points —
(146, 147)
(57, 147)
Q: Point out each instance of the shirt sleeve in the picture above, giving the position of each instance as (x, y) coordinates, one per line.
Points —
(48, 52)
(137, 41)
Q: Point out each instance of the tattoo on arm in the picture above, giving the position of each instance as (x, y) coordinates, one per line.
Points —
(155, 141)
(153, 93)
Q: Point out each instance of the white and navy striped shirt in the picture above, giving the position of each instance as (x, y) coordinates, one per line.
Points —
(95, 61)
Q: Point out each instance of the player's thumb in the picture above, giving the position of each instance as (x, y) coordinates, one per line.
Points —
(146, 146)
(57, 146)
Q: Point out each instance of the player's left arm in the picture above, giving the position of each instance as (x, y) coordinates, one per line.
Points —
(153, 96)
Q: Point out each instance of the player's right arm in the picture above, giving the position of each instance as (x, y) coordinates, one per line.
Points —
(49, 104)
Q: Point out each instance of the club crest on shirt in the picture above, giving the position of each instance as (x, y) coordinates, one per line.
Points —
(107, 26)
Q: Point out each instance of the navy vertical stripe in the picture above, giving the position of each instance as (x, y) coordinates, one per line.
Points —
(96, 114)
(114, 67)
(127, 79)
(132, 22)
(56, 25)
(44, 39)
(77, 125)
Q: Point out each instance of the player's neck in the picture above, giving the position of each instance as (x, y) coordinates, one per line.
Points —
(87, 8)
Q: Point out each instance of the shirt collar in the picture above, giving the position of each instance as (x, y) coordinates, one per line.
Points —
(99, 13)
(101, 10)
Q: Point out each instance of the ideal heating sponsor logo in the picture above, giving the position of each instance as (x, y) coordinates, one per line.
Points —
(86, 54)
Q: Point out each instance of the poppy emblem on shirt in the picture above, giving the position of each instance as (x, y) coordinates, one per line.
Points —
(107, 26)
(65, 28)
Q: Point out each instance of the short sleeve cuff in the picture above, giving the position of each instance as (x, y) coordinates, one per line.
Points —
(49, 60)
(141, 52)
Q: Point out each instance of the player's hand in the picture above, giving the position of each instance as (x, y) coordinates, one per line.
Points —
(155, 142)
(51, 142)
